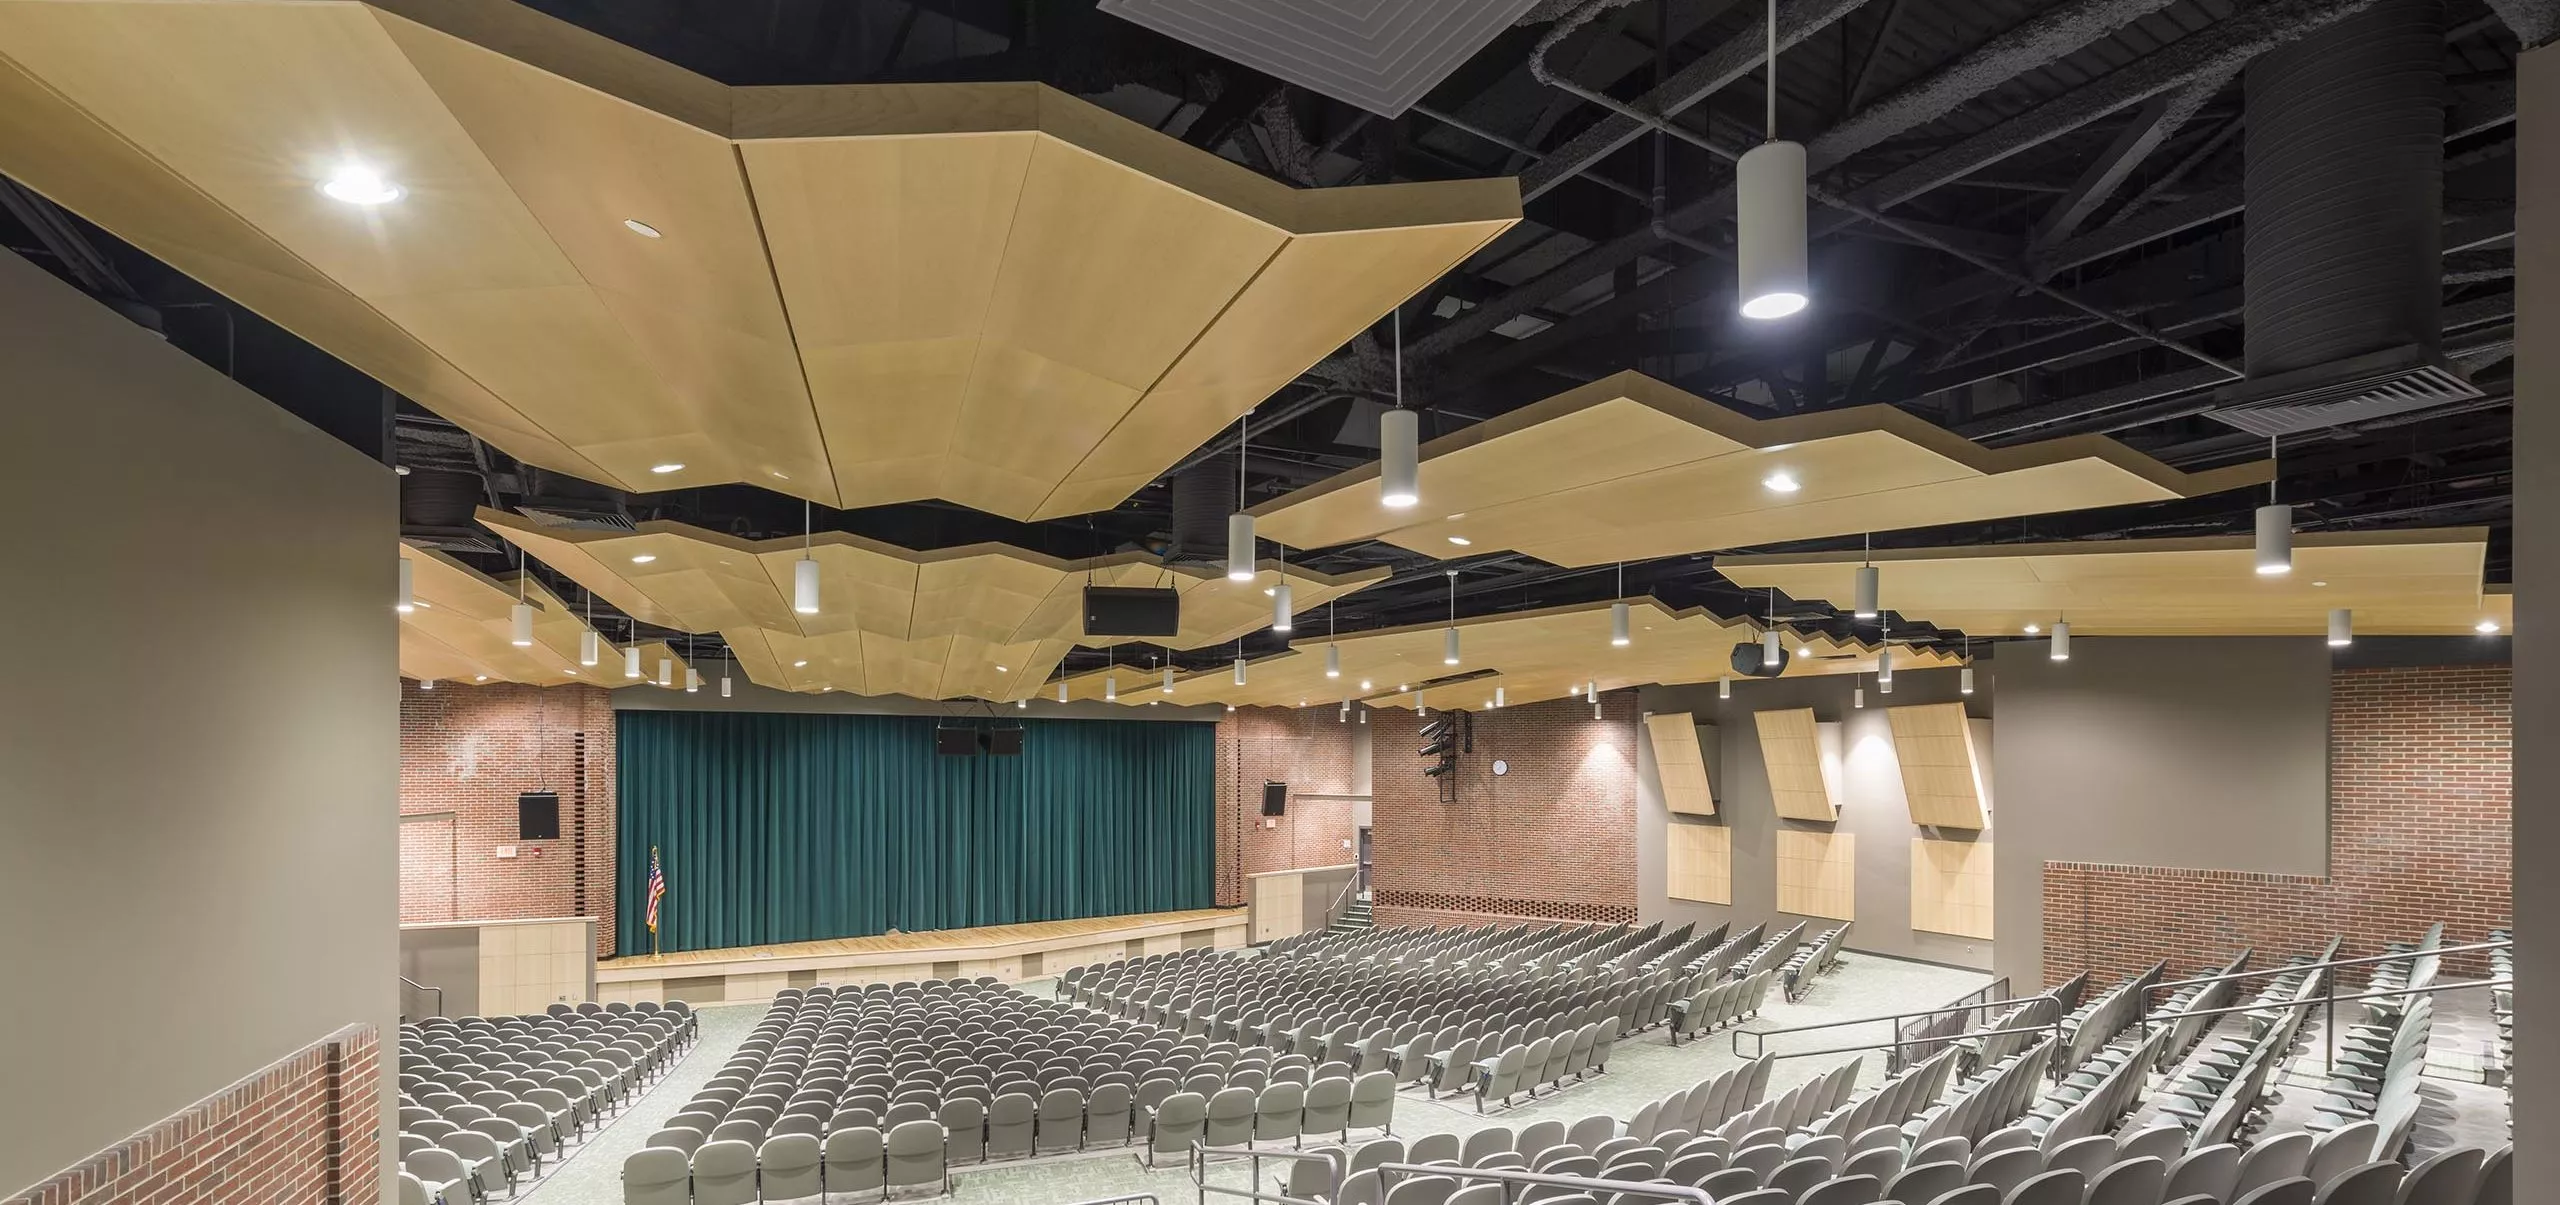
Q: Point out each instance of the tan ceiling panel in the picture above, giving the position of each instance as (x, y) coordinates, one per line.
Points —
(1533, 655)
(2398, 583)
(981, 621)
(995, 294)
(1628, 468)
(461, 629)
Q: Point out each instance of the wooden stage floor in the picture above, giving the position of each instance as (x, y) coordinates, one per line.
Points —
(1010, 953)
(944, 942)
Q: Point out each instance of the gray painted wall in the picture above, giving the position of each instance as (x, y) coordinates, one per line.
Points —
(1872, 806)
(2537, 641)
(2202, 753)
(197, 850)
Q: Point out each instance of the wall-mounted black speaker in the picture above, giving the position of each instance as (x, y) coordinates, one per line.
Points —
(1751, 661)
(1275, 799)
(1004, 742)
(1127, 611)
(955, 742)
(538, 816)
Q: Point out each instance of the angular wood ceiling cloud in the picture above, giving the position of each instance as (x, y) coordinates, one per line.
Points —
(994, 294)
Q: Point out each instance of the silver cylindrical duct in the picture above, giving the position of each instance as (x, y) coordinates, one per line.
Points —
(2345, 183)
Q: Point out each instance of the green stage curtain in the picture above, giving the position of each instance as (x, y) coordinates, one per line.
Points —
(779, 828)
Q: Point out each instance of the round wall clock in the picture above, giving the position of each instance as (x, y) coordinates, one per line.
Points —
(1501, 767)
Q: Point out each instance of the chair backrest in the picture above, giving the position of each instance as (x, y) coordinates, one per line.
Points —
(2333, 1153)
(2273, 1158)
(2007, 1169)
(852, 1160)
(2291, 1190)
(680, 1138)
(787, 1167)
(2129, 1182)
(2061, 1186)
(2365, 1184)
(724, 1173)
(652, 1175)
(1844, 1190)
(1970, 1194)
(915, 1153)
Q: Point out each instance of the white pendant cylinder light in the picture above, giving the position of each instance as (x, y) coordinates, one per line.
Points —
(1884, 670)
(1062, 690)
(804, 586)
(426, 684)
(692, 680)
(1868, 583)
(1772, 647)
(2275, 539)
(1618, 623)
(804, 575)
(1168, 678)
(2061, 640)
(2341, 628)
(1449, 645)
(1964, 681)
(520, 625)
(1240, 524)
(1111, 688)
(1283, 614)
(407, 600)
(590, 647)
(1333, 661)
(1769, 202)
(1724, 688)
(631, 659)
(1497, 695)
(724, 680)
(1399, 441)
(1591, 691)
(666, 671)
(1858, 697)
(1239, 669)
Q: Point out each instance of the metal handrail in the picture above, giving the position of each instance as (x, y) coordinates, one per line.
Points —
(1760, 1037)
(1126, 1199)
(1506, 1175)
(2332, 964)
(2330, 1002)
(1341, 899)
(1198, 1158)
(417, 986)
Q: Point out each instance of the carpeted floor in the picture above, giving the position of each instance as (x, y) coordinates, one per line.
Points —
(1643, 1068)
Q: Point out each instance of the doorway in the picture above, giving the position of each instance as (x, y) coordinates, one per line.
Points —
(1364, 862)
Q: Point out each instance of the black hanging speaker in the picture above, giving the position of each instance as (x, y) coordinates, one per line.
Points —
(1127, 611)
(538, 816)
(1751, 660)
(1004, 742)
(955, 742)
(1275, 799)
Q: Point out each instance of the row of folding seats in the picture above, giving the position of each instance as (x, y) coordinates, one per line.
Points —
(1812, 961)
(1549, 1061)
(1719, 1004)
(485, 1102)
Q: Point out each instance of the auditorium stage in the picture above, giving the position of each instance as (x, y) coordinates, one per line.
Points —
(1009, 952)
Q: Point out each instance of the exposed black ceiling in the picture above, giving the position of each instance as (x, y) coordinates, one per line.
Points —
(2063, 203)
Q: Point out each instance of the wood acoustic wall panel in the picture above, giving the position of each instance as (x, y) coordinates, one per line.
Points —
(982, 621)
(1699, 862)
(1680, 763)
(1628, 467)
(1942, 773)
(2398, 583)
(1534, 655)
(1791, 751)
(993, 293)
(1951, 887)
(1818, 873)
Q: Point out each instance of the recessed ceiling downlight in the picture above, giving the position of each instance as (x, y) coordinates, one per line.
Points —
(357, 184)
(643, 229)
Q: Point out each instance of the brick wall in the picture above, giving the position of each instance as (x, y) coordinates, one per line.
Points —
(466, 752)
(302, 1131)
(1309, 748)
(1553, 839)
(2418, 832)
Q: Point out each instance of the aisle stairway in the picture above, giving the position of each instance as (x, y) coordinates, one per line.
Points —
(1354, 918)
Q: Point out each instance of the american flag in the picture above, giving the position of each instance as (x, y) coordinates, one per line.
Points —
(657, 887)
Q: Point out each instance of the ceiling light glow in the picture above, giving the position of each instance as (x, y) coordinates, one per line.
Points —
(357, 184)
(672, 466)
(643, 229)
(1781, 482)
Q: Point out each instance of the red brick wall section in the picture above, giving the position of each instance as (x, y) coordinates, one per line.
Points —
(467, 752)
(1310, 748)
(1553, 839)
(303, 1131)
(2418, 833)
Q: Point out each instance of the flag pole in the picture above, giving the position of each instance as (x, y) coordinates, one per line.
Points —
(658, 874)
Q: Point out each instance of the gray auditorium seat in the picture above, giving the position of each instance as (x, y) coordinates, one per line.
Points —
(657, 1175)
(2062, 1186)
(724, 1173)
(1970, 1194)
(1798, 1176)
(1279, 1112)
(2341, 1149)
(2448, 1177)
(1177, 1125)
(2292, 1190)
(853, 1161)
(1924, 1182)
(1422, 1190)
(915, 1156)
(2366, 1184)
(787, 1168)
(2129, 1182)
(1732, 1181)
(2006, 1169)
(1373, 1101)
(2275, 1157)
(1328, 1108)
(1060, 1122)
(1106, 1115)
(1844, 1190)
(2211, 1171)
(1010, 1121)
(1229, 1121)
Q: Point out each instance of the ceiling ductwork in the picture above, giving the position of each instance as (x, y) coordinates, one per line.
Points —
(2345, 183)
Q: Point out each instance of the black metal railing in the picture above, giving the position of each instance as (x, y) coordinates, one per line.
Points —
(1928, 1035)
